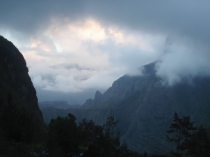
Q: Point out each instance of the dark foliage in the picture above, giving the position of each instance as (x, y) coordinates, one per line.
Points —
(189, 139)
(87, 139)
(106, 142)
(64, 137)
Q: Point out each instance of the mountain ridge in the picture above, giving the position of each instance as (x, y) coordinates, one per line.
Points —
(145, 106)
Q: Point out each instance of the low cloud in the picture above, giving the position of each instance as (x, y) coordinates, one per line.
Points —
(183, 59)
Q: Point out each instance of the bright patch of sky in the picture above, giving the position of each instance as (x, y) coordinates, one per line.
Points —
(102, 53)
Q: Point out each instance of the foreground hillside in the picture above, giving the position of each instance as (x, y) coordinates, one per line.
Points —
(145, 108)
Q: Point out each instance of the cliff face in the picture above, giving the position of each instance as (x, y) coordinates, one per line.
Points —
(122, 88)
(14, 80)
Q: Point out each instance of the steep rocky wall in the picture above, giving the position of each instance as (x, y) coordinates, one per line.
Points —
(14, 79)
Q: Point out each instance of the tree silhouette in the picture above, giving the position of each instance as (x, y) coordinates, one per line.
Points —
(107, 143)
(89, 132)
(64, 137)
(188, 138)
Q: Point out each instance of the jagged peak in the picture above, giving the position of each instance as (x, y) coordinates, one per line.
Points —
(97, 94)
(150, 68)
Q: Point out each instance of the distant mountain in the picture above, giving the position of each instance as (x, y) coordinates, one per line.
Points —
(56, 104)
(145, 107)
(15, 81)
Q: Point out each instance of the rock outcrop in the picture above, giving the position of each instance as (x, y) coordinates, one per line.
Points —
(15, 81)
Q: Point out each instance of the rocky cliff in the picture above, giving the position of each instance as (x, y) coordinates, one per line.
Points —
(15, 81)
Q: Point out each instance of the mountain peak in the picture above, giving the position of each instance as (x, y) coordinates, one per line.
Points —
(97, 94)
(149, 69)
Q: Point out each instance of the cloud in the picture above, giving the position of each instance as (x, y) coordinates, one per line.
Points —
(32, 17)
(75, 56)
(188, 18)
(183, 60)
(107, 39)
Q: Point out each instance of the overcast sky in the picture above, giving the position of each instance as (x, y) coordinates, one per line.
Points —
(73, 46)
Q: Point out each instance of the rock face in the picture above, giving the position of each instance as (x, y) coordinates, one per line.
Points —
(15, 81)
(122, 88)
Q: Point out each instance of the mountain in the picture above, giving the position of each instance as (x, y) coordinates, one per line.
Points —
(145, 107)
(15, 81)
(56, 104)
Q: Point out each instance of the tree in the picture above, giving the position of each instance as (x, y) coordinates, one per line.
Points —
(188, 138)
(68, 139)
(198, 144)
(107, 142)
(64, 137)
(90, 132)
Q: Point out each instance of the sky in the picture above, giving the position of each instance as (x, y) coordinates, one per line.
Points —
(73, 48)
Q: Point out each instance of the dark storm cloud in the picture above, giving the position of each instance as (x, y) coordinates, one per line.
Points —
(190, 18)
(31, 16)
